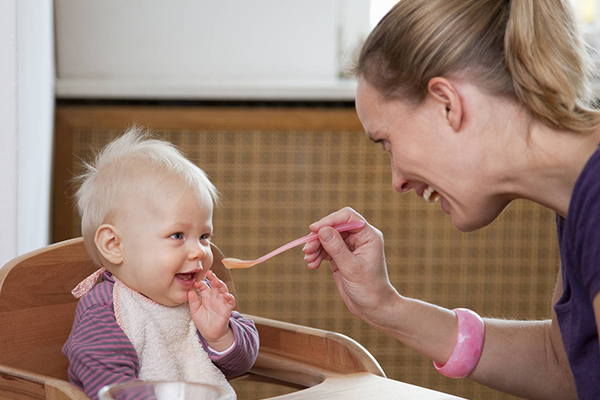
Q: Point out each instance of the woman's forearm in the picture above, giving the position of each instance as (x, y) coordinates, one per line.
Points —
(519, 357)
(525, 358)
(427, 328)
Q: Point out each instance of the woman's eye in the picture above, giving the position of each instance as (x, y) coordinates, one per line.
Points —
(383, 143)
(177, 236)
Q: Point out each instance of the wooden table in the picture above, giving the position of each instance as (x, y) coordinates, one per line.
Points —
(325, 365)
(366, 386)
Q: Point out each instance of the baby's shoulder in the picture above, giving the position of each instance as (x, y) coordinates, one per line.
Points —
(100, 295)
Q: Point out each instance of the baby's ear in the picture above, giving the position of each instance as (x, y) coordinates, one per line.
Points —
(108, 243)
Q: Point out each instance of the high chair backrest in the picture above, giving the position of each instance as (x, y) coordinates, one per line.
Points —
(37, 308)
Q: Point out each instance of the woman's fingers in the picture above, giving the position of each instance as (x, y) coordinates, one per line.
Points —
(344, 215)
(314, 251)
(335, 246)
(320, 257)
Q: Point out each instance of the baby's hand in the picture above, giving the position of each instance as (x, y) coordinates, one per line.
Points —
(211, 312)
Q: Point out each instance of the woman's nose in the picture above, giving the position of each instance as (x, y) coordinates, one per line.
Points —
(401, 185)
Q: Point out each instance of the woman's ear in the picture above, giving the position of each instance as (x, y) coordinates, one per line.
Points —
(446, 93)
(108, 242)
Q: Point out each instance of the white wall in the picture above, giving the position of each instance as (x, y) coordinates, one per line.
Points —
(196, 40)
(26, 124)
(8, 130)
(235, 49)
(35, 121)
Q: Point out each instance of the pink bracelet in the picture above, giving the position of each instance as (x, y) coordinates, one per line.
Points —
(468, 347)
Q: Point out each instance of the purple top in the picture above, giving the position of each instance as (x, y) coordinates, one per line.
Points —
(579, 240)
(100, 353)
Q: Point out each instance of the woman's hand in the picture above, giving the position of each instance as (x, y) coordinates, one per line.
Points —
(357, 261)
(211, 312)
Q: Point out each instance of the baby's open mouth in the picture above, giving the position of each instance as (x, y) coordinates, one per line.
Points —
(430, 195)
(188, 276)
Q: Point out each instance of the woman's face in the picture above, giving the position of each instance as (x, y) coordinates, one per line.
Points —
(430, 155)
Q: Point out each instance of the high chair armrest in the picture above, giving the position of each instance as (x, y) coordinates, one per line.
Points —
(17, 383)
(324, 366)
(307, 356)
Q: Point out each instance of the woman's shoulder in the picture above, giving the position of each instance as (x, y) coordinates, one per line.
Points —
(586, 193)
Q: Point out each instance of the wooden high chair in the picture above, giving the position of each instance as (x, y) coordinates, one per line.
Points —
(37, 311)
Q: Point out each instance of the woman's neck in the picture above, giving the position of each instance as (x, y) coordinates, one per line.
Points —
(551, 161)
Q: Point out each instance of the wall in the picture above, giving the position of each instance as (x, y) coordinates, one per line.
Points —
(279, 169)
(8, 131)
(26, 120)
(185, 49)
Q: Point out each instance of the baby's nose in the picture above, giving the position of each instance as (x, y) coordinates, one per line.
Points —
(197, 251)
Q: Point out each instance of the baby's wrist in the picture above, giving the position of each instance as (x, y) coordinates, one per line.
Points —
(222, 343)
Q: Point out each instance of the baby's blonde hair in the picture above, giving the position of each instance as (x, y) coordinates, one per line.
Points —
(129, 164)
(529, 50)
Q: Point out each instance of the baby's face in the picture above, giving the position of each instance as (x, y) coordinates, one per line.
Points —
(166, 244)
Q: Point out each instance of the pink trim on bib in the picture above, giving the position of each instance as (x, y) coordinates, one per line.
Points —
(87, 284)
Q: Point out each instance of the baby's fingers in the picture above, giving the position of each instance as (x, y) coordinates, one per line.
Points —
(203, 288)
(193, 301)
(216, 283)
(229, 299)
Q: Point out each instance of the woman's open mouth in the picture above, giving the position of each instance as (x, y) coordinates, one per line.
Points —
(430, 195)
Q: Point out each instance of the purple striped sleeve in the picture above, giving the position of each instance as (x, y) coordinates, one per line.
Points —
(98, 350)
(242, 356)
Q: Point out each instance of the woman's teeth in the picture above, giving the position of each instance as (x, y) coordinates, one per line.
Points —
(430, 195)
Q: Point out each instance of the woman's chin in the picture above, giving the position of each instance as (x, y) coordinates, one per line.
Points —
(465, 228)
(469, 223)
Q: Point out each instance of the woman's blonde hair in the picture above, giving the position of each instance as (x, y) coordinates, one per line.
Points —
(530, 50)
(133, 163)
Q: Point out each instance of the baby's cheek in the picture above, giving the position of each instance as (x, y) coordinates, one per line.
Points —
(207, 262)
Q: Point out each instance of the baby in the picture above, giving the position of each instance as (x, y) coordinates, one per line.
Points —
(158, 313)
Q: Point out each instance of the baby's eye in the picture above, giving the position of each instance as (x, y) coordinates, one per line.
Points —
(177, 236)
(206, 236)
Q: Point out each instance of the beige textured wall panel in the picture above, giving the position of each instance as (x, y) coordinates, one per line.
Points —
(274, 183)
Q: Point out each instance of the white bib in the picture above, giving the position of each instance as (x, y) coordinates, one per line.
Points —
(165, 340)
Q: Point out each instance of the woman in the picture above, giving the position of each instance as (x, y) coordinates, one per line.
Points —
(478, 103)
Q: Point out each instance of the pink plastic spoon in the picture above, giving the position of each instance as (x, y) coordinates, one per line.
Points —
(235, 263)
